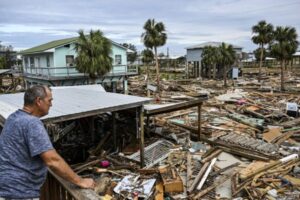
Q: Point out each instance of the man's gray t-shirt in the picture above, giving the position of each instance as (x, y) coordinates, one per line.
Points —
(22, 171)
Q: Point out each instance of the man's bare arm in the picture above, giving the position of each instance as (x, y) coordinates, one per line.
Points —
(59, 166)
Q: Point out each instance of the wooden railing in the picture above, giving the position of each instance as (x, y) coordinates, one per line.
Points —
(54, 190)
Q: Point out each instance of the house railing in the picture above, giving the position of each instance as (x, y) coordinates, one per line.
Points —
(133, 69)
(53, 189)
(72, 71)
(50, 72)
(56, 188)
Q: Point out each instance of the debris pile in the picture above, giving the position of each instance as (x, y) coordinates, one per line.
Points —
(248, 146)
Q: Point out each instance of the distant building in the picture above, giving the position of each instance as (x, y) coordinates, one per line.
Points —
(193, 57)
(53, 64)
(296, 59)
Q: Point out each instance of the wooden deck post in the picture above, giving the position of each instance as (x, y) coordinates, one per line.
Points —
(199, 120)
(114, 131)
(142, 136)
(125, 85)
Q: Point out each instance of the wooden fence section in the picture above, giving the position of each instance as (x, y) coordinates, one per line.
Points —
(270, 70)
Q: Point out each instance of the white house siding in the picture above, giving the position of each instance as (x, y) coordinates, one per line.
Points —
(58, 62)
(60, 53)
(119, 68)
(193, 55)
(40, 63)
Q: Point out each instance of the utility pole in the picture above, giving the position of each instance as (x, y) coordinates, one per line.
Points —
(168, 60)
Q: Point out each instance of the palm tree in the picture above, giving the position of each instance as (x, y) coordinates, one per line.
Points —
(147, 58)
(210, 58)
(284, 46)
(153, 37)
(263, 35)
(131, 56)
(227, 58)
(257, 54)
(93, 54)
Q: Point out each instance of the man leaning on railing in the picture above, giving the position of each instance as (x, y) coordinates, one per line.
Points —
(26, 150)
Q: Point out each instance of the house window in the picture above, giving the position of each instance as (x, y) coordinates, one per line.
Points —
(26, 62)
(48, 61)
(118, 59)
(70, 60)
(31, 59)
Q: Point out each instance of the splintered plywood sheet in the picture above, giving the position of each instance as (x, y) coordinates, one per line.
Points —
(159, 191)
(254, 166)
(272, 134)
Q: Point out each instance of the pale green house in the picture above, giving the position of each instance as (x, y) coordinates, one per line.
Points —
(53, 64)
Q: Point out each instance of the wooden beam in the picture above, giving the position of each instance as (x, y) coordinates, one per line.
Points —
(198, 177)
(92, 113)
(142, 150)
(175, 107)
(114, 130)
(199, 120)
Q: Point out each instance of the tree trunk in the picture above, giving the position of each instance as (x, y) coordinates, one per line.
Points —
(260, 62)
(93, 80)
(282, 75)
(225, 76)
(214, 71)
(147, 80)
(209, 72)
(200, 69)
(157, 72)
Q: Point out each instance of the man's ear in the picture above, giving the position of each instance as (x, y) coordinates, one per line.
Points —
(38, 101)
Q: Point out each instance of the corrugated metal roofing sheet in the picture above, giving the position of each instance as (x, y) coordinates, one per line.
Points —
(213, 44)
(57, 43)
(3, 71)
(74, 102)
(49, 45)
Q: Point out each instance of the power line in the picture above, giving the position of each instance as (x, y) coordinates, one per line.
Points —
(273, 6)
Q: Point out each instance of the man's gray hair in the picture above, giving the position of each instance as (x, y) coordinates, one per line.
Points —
(35, 91)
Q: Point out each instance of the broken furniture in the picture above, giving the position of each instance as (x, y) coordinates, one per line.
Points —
(171, 180)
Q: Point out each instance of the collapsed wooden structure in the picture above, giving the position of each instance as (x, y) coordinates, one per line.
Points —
(77, 102)
(73, 103)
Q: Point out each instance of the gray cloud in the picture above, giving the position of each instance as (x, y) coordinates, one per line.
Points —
(26, 23)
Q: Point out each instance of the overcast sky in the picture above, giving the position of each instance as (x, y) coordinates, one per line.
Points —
(27, 23)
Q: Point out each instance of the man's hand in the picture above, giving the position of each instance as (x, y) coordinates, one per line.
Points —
(87, 183)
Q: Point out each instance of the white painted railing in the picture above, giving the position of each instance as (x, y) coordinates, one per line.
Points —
(72, 71)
